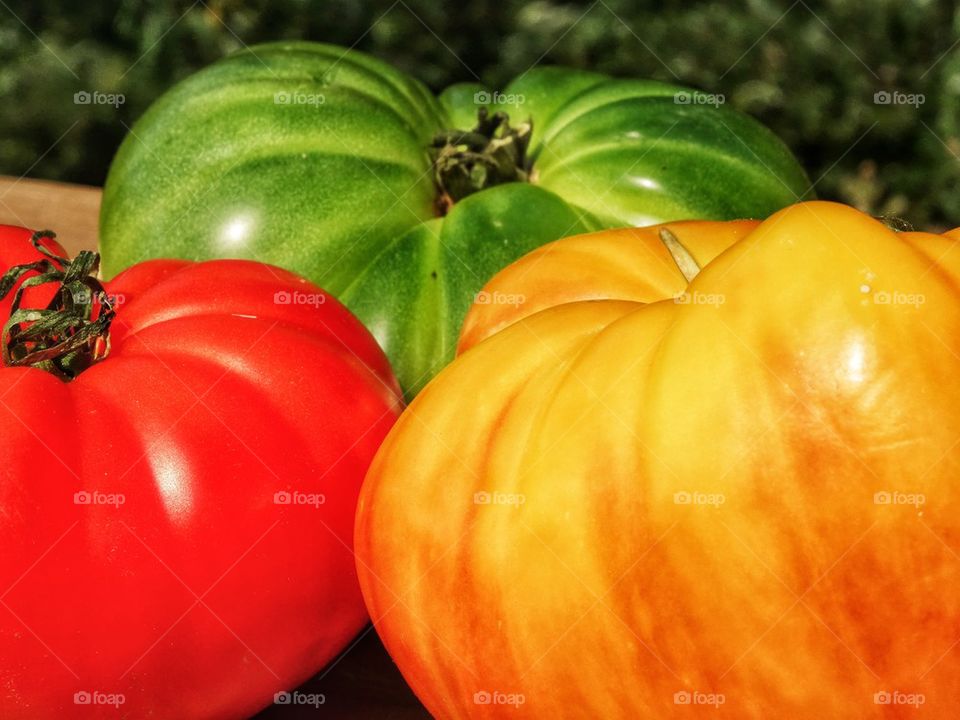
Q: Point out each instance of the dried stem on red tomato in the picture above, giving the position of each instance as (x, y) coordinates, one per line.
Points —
(72, 332)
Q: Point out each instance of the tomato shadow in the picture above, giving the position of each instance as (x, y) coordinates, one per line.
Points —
(363, 682)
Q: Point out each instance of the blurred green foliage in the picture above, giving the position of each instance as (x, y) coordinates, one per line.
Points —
(809, 70)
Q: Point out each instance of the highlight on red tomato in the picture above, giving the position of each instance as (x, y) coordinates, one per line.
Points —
(182, 450)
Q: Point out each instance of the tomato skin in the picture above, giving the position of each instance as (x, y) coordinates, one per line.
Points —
(620, 264)
(342, 189)
(17, 250)
(821, 380)
(178, 579)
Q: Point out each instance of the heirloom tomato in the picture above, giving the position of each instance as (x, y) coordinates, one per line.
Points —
(733, 484)
(402, 204)
(182, 450)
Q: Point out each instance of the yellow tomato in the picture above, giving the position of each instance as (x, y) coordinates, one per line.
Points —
(630, 263)
(746, 497)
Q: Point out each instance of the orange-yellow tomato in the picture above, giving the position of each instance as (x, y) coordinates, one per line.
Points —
(630, 263)
(745, 500)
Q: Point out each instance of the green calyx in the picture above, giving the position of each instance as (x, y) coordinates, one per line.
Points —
(72, 332)
(465, 162)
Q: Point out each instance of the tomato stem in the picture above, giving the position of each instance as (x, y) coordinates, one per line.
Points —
(72, 332)
(685, 261)
(895, 223)
(465, 162)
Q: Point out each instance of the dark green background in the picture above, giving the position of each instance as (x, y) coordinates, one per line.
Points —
(809, 70)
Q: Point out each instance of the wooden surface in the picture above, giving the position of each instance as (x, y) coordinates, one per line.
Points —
(364, 682)
(71, 211)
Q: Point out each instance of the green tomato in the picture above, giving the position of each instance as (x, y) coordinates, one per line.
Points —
(341, 168)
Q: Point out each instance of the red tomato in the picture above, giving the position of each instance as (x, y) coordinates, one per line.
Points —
(176, 522)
